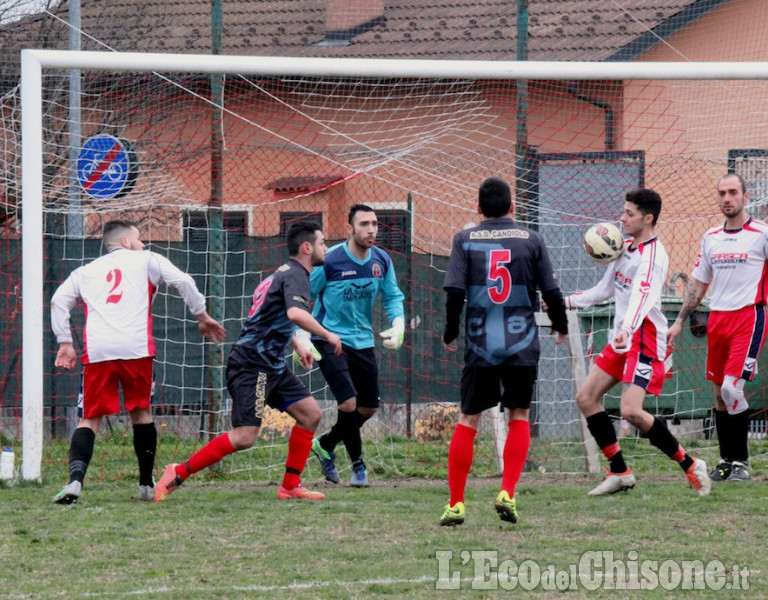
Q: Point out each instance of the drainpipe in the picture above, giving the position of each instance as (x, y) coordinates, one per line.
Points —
(522, 174)
(216, 244)
(75, 219)
(610, 120)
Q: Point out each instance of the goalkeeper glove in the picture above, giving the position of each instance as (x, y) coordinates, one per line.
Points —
(302, 337)
(393, 337)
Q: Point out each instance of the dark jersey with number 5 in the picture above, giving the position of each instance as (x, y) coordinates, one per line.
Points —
(499, 265)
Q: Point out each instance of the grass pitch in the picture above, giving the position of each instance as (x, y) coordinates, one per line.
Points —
(231, 539)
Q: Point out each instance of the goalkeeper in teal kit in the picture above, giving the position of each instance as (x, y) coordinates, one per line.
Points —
(344, 290)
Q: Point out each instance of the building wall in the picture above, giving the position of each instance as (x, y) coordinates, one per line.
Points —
(688, 127)
(407, 146)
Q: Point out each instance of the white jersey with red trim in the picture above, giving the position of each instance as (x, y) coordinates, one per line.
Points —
(735, 262)
(636, 280)
(117, 290)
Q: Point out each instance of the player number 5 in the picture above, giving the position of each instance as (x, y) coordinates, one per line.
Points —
(501, 289)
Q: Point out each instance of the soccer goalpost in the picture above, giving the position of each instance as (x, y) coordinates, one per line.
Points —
(311, 136)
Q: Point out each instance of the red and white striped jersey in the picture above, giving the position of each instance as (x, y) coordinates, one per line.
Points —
(117, 290)
(636, 280)
(735, 262)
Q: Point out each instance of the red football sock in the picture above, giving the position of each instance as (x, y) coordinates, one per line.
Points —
(679, 455)
(515, 453)
(460, 455)
(299, 447)
(610, 451)
(208, 455)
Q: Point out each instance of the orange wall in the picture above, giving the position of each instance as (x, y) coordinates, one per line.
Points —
(688, 127)
(418, 142)
(440, 164)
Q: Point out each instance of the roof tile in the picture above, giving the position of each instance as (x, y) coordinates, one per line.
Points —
(451, 29)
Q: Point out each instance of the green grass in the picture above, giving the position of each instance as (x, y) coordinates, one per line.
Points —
(114, 460)
(395, 457)
(225, 537)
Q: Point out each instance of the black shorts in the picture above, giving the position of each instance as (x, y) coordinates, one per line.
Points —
(251, 389)
(352, 374)
(481, 387)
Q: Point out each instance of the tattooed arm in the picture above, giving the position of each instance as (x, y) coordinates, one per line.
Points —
(693, 298)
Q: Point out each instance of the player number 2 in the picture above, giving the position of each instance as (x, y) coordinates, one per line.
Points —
(501, 289)
(115, 277)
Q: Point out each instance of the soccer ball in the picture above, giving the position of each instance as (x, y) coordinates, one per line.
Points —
(603, 242)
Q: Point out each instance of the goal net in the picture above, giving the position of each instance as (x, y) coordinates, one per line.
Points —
(214, 157)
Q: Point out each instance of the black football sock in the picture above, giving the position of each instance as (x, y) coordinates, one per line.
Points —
(739, 436)
(660, 436)
(352, 441)
(602, 430)
(361, 419)
(331, 439)
(80, 453)
(145, 446)
(722, 427)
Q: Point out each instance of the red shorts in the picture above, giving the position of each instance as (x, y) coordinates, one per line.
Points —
(734, 341)
(633, 367)
(100, 386)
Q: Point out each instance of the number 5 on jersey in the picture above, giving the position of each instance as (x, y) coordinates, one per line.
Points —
(501, 290)
(502, 287)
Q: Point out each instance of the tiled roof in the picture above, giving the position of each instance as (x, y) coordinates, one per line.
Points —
(426, 29)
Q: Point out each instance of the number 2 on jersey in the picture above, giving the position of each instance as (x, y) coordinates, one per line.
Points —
(117, 276)
(502, 287)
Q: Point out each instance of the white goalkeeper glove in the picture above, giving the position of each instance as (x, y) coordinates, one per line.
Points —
(302, 337)
(393, 337)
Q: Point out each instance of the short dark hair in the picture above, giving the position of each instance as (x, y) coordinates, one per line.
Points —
(356, 208)
(300, 232)
(648, 202)
(737, 176)
(494, 198)
(113, 230)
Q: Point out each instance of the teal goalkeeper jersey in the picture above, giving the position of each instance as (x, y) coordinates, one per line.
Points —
(345, 289)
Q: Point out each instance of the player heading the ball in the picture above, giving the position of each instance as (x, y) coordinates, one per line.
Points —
(637, 347)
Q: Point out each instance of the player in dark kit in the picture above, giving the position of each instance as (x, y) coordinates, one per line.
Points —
(497, 267)
(256, 371)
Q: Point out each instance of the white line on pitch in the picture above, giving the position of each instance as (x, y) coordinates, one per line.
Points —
(259, 588)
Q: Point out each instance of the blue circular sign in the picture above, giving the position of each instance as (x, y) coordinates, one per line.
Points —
(107, 167)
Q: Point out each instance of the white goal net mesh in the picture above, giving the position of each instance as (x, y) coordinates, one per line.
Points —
(215, 168)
